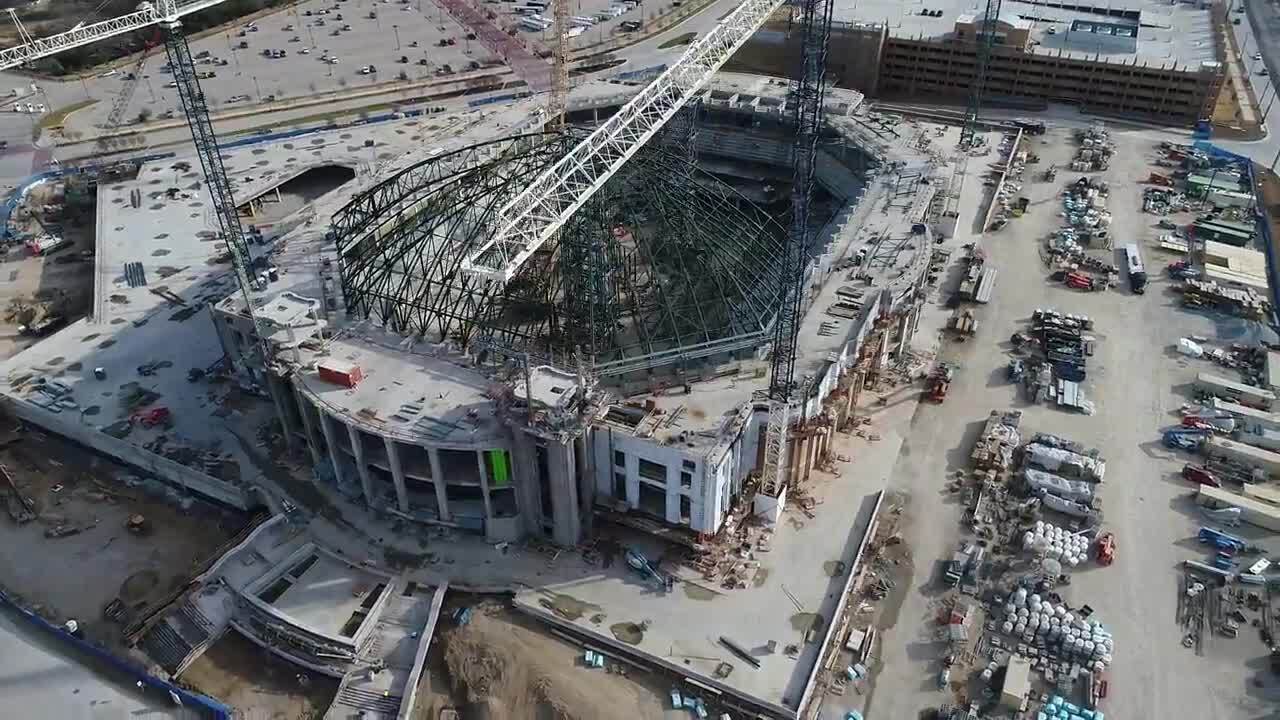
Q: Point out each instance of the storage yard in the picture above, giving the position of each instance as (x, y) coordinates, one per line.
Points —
(490, 373)
(1127, 623)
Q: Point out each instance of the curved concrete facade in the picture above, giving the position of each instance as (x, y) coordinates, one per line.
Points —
(466, 483)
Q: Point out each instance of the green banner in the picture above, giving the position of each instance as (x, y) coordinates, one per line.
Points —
(501, 472)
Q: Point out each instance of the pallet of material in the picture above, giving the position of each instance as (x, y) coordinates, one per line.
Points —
(963, 322)
(1000, 437)
(1245, 302)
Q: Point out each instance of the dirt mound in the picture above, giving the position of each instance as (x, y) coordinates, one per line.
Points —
(507, 669)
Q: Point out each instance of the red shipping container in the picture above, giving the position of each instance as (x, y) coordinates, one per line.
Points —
(340, 372)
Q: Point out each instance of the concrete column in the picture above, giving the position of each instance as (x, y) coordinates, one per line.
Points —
(587, 480)
(330, 439)
(313, 442)
(904, 335)
(564, 494)
(357, 449)
(397, 474)
(437, 479)
(278, 400)
(524, 465)
(484, 485)
(673, 492)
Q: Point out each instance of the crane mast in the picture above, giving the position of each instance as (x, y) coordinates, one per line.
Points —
(805, 106)
(986, 40)
(206, 143)
(560, 65)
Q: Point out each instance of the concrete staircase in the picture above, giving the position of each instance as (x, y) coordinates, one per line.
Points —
(177, 640)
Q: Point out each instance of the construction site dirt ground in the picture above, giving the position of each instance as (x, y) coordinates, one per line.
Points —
(257, 683)
(504, 666)
(1138, 383)
(30, 284)
(78, 575)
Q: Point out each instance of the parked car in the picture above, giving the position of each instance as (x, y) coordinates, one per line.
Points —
(1200, 474)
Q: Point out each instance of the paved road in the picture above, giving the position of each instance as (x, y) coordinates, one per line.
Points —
(39, 681)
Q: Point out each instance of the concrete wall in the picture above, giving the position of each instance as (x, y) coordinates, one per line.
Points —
(702, 515)
(410, 696)
(69, 426)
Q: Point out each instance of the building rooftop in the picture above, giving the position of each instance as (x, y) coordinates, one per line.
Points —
(327, 594)
(150, 323)
(1168, 35)
(419, 392)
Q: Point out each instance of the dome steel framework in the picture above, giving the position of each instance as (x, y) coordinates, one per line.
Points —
(664, 264)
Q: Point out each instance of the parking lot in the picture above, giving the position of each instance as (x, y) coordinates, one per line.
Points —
(1138, 383)
(592, 21)
(327, 45)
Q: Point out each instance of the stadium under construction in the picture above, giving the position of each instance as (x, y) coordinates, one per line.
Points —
(618, 377)
(620, 367)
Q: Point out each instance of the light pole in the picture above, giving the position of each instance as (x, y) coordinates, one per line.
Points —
(257, 87)
(396, 28)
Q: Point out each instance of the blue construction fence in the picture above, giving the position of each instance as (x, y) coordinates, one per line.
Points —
(1261, 223)
(641, 73)
(505, 97)
(204, 706)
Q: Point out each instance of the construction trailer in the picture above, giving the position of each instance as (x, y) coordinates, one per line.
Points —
(1255, 512)
(1237, 392)
(1262, 492)
(1234, 451)
(1223, 231)
(1248, 420)
(1260, 438)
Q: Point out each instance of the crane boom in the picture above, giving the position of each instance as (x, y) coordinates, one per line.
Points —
(147, 14)
(532, 217)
